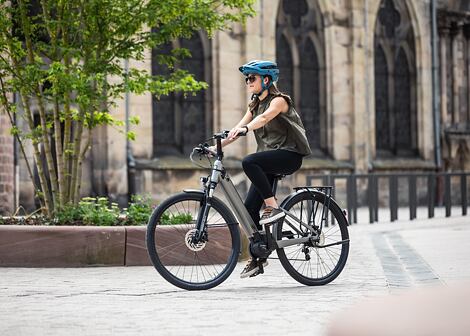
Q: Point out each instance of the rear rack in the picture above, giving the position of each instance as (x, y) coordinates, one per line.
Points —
(327, 191)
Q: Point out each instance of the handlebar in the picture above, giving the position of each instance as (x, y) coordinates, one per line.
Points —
(224, 135)
(203, 148)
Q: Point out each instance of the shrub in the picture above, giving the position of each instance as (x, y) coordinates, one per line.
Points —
(89, 211)
(168, 219)
(96, 211)
(68, 214)
(139, 210)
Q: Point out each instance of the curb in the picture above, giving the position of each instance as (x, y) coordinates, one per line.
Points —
(64, 246)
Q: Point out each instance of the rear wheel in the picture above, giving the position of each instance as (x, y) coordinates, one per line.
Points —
(310, 263)
(191, 266)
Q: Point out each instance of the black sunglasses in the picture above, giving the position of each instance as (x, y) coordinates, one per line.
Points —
(250, 79)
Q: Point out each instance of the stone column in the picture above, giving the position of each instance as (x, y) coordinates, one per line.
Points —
(444, 35)
(7, 194)
(456, 33)
(344, 96)
(141, 106)
(363, 137)
(230, 98)
(467, 60)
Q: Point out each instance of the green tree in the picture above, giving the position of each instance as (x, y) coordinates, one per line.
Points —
(59, 55)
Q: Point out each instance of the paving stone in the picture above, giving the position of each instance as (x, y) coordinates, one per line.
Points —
(138, 301)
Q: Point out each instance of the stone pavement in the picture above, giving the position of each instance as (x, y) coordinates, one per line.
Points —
(383, 259)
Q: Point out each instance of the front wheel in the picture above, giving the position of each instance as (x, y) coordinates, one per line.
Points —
(177, 258)
(312, 263)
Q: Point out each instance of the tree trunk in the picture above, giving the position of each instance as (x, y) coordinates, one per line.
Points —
(47, 150)
(59, 153)
(76, 154)
(42, 113)
(67, 142)
(80, 161)
(37, 156)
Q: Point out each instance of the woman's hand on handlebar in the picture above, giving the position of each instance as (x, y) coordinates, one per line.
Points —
(212, 150)
(236, 132)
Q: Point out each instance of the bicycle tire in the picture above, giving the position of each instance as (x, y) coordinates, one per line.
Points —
(157, 232)
(289, 260)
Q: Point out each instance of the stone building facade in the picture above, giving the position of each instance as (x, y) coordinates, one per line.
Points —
(359, 72)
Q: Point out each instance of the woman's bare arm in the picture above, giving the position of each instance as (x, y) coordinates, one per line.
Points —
(278, 105)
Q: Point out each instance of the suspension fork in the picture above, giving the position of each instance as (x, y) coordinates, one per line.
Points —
(207, 200)
(202, 218)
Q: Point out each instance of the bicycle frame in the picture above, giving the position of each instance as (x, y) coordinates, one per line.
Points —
(245, 220)
(219, 176)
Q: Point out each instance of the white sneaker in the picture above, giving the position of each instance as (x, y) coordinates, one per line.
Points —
(270, 215)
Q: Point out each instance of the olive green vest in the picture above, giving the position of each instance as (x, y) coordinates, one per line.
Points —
(285, 131)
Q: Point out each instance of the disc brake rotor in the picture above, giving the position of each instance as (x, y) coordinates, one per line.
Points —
(190, 245)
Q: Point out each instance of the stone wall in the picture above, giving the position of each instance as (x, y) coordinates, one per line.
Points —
(350, 104)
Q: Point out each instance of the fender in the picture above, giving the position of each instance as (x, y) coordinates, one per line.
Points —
(193, 191)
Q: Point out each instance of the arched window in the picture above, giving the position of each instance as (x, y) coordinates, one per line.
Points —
(179, 123)
(403, 112)
(381, 100)
(299, 32)
(310, 103)
(395, 82)
(284, 61)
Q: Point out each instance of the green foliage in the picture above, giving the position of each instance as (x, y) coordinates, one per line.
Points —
(99, 211)
(69, 214)
(169, 219)
(139, 211)
(131, 135)
(63, 55)
(89, 211)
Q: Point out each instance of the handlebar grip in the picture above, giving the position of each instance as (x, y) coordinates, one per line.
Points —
(226, 132)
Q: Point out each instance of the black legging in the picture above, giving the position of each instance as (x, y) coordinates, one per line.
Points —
(261, 168)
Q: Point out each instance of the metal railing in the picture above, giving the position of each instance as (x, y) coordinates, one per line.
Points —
(440, 191)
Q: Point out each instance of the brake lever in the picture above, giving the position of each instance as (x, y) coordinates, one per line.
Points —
(204, 149)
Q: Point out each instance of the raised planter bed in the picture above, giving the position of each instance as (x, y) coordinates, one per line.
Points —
(61, 246)
(76, 246)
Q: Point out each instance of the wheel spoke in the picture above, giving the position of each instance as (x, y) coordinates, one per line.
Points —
(189, 264)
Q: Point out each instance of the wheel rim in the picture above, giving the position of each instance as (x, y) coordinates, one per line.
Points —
(183, 260)
(309, 260)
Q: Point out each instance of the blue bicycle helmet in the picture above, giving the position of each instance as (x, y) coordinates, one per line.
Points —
(262, 68)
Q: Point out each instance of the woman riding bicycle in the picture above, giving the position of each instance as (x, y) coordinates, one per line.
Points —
(281, 140)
